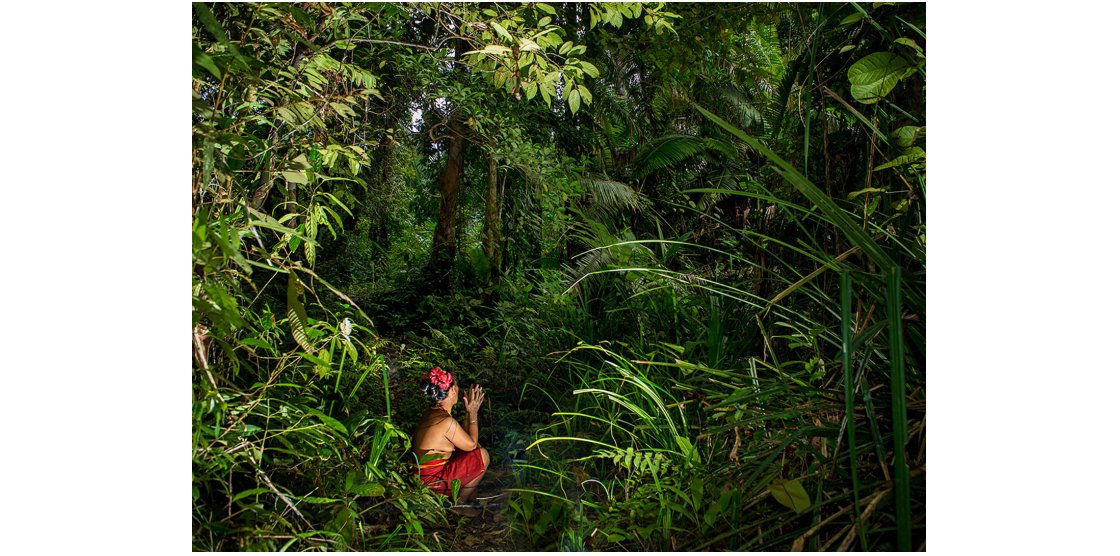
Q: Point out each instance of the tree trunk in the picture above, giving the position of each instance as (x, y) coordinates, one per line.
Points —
(492, 225)
(445, 240)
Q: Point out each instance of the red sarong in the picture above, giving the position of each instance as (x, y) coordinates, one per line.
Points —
(465, 466)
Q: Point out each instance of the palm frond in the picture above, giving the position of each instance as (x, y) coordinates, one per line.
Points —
(726, 181)
(673, 149)
(611, 197)
(779, 100)
(741, 108)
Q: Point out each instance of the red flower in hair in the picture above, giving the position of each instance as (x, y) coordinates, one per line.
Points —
(440, 377)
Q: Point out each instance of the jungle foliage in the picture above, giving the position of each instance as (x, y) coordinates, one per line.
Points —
(682, 246)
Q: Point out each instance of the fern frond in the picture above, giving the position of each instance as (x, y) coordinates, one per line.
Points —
(725, 182)
(741, 108)
(673, 149)
(779, 101)
(612, 197)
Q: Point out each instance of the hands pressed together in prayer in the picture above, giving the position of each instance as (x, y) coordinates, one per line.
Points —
(473, 399)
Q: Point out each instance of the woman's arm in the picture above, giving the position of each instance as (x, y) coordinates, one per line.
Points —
(471, 425)
(460, 439)
(473, 400)
(465, 436)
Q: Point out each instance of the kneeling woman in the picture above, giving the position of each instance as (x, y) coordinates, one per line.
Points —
(447, 451)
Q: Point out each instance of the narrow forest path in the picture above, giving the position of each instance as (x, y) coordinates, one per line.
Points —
(503, 434)
(490, 530)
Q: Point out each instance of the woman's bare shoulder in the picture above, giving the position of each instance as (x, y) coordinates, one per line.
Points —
(432, 417)
(430, 432)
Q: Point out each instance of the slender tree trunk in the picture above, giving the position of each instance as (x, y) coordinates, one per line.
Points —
(444, 242)
(492, 225)
(446, 239)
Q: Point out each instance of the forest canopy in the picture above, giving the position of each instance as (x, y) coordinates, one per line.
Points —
(682, 246)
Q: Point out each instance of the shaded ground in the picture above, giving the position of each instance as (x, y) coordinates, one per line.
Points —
(490, 530)
(502, 434)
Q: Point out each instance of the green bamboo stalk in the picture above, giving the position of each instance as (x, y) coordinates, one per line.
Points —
(898, 408)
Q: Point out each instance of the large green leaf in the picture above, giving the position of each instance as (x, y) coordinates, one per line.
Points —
(875, 75)
(905, 136)
(911, 155)
(790, 494)
(501, 30)
(329, 421)
(205, 61)
(369, 489)
(250, 492)
(295, 177)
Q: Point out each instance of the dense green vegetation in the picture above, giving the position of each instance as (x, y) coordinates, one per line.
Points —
(682, 246)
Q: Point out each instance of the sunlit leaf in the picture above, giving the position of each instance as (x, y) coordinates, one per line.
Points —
(343, 110)
(875, 75)
(369, 489)
(204, 61)
(329, 421)
(501, 30)
(905, 136)
(790, 494)
(909, 42)
(294, 177)
(911, 155)
(585, 94)
(297, 315)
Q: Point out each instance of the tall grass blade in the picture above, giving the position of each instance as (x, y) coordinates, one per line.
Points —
(385, 383)
(898, 408)
(878, 133)
(850, 395)
(876, 436)
(835, 214)
(377, 362)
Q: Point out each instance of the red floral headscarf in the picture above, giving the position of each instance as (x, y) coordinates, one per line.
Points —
(440, 377)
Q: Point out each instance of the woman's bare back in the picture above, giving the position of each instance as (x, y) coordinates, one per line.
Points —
(431, 436)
